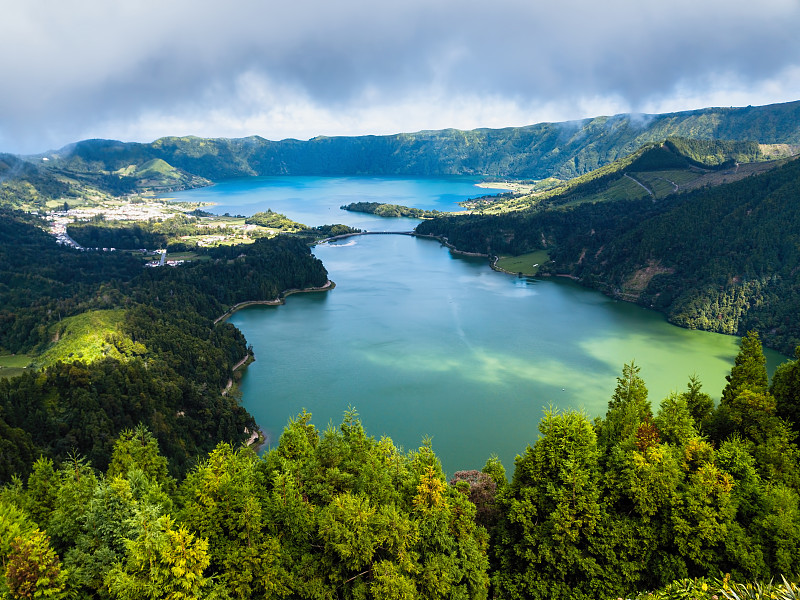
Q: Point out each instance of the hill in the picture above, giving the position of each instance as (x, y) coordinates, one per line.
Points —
(118, 344)
(656, 170)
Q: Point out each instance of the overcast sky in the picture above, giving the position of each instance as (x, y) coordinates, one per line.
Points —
(139, 70)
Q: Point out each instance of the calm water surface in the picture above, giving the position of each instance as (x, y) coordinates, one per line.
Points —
(426, 343)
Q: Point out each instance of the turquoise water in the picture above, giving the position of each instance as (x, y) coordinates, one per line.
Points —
(423, 342)
(317, 200)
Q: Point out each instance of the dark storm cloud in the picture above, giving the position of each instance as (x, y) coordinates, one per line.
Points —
(76, 68)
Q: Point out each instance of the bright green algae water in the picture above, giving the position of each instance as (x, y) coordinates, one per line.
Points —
(423, 342)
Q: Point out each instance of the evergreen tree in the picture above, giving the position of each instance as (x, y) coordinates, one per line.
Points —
(749, 369)
(551, 513)
(628, 408)
(699, 403)
(786, 389)
(162, 562)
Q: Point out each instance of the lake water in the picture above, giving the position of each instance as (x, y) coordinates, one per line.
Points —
(423, 342)
(317, 200)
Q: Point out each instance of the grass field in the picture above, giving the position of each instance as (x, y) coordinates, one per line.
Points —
(186, 256)
(527, 264)
(12, 365)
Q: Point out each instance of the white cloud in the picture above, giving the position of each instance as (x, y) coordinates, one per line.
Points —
(146, 69)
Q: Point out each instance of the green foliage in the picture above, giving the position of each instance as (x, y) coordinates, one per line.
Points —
(749, 370)
(138, 449)
(699, 404)
(222, 502)
(627, 409)
(90, 336)
(390, 210)
(275, 220)
(785, 387)
(32, 569)
(359, 519)
(675, 423)
(551, 511)
(326, 231)
(161, 562)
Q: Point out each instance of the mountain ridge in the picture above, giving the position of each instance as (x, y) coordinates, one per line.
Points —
(563, 149)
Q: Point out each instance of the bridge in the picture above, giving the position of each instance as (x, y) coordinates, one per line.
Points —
(347, 235)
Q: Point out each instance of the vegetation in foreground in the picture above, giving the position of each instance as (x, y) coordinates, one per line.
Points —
(689, 502)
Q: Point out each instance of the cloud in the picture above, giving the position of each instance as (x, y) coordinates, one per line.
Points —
(297, 69)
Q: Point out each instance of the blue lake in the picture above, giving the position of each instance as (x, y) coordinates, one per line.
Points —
(317, 200)
(423, 342)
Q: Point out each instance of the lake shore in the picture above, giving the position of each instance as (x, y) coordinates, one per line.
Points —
(451, 247)
(329, 285)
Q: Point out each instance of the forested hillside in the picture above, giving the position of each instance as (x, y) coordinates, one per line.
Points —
(724, 258)
(121, 344)
(638, 500)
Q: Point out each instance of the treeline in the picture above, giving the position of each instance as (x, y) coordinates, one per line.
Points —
(724, 259)
(628, 503)
(390, 210)
(176, 364)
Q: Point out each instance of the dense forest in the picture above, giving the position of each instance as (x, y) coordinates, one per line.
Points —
(724, 258)
(687, 501)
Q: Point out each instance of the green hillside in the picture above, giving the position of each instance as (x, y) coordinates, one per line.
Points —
(656, 170)
(89, 336)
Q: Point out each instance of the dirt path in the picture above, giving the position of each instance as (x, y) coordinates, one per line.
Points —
(643, 186)
(228, 386)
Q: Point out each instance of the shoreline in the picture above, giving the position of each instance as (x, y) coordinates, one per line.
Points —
(329, 285)
(257, 438)
(444, 241)
(494, 267)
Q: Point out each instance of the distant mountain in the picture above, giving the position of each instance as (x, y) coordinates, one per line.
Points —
(563, 150)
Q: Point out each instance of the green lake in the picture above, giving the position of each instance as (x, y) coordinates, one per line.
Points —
(426, 343)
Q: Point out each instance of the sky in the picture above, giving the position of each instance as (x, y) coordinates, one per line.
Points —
(143, 69)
